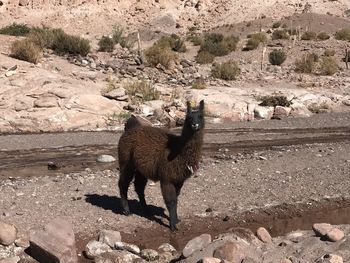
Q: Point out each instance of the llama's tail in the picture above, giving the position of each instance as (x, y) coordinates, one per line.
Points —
(136, 121)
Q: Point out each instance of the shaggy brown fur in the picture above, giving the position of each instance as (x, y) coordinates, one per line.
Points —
(152, 153)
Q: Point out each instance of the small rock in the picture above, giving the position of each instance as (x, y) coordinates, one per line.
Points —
(330, 258)
(231, 252)
(14, 259)
(286, 260)
(109, 237)
(45, 102)
(115, 94)
(22, 242)
(166, 248)
(281, 112)
(261, 112)
(95, 248)
(104, 158)
(8, 233)
(335, 235)
(211, 260)
(321, 229)
(264, 235)
(149, 254)
(129, 247)
(196, 243)
(10, 73)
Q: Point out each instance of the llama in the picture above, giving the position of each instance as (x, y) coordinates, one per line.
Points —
(152, 153)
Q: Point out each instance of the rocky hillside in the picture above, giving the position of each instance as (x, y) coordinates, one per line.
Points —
(96, 17)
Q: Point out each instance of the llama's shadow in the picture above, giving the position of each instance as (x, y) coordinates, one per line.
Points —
(113, 203)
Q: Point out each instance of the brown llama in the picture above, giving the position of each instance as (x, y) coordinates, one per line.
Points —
(147, 152)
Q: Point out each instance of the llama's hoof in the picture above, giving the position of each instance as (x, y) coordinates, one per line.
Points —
(126, 213)
(178, 220)
(173, 228)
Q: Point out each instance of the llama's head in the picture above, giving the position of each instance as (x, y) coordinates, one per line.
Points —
(195, 116)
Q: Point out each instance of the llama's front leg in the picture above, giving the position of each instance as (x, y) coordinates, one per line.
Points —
(170, 199)
(126, 176)
(178, 190)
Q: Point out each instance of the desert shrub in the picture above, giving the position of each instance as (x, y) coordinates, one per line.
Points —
(15, 30)
(255, 40)
(343, 34)
(68, 44)
(59, 41)
(204, 57)
(142, 90)
(328, 66)
(26, 50)
(322, 36)
(173, 41)
(292, 32)
(160, 55)
(306, 64)
(308, 35)
(217, 45)
(227, 70)
(318, 108)
(284, 25)
(106, 44)
(276, 24)
(277, 57)
(280, 34)
(199, 84)
(273, 101)
(329, 53)
(196, 39)
(118, 38)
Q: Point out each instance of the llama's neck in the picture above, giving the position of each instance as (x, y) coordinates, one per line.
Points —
(191, 145)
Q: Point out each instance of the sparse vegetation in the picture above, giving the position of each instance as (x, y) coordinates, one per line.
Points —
(196, 39)
(318, 108)
(277, 57)
(280, 34)
(343, 34)
(329, 53)
(328, 66)
(204, 57)
(15, 30)
(118, 37)
(199, 84)
(160, 55)
(227, 70)
(255, 40)
(174, 42)
(309, 35)
(273, 101)
(306, 64)
(276, 24)
(217, 45)
(106, 44)
(322, 36)
(141, 90)
(26, 50)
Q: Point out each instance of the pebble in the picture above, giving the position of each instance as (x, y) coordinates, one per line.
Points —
(95, 248)
(8, 233)
(335, 235)
(195, 244)
(104, 158)
(264, 235)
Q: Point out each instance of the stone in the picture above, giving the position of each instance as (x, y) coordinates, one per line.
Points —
(155, 104)
(149, 254)
(104, 158)
(146, 110)
(300, 110)
(231, 252)
(249, 260)
(22, 242)
(115, 93)
(14, 259)
(129, 247)
(195, 244)
(166, 248)
(54, 243)
(45, 102)
(264, 235)
(210, 260)
(321, 229)
(8, 233)
(330, 258)
(264, 113)
(281, 112)
(109, 237)
(335, 235)
(23, 104)
(285, 260)
(95, 248)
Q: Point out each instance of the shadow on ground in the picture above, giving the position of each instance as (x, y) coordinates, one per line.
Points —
(113, 203)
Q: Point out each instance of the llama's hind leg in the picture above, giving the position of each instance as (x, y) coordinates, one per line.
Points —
(170, 199)
(140, 185)
(125, 178)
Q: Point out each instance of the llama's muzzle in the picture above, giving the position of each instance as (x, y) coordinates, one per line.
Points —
(195, 126)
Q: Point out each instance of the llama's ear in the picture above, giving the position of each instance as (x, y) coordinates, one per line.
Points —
(201, 105)
(188, 107)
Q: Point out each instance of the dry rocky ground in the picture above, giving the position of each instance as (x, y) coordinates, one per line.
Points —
(70, 93)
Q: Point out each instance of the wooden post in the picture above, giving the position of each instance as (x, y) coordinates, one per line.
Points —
(262, 58)
(346, 58)
(138, 44)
